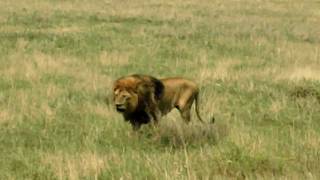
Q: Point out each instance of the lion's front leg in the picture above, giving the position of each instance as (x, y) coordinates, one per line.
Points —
(135, 126)
(154, 113)
(153, 109)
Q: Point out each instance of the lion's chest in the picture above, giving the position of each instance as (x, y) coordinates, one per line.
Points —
(138, 116)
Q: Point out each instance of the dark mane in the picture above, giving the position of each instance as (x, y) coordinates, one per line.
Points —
(156, 83)
(138, 116)
(149, 91)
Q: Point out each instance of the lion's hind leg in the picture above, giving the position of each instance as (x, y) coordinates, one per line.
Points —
(186, 114)
(184, 106)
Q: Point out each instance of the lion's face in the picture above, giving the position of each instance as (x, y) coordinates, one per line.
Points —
(125, 101)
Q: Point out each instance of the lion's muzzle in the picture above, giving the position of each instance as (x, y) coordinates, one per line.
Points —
(120, 108)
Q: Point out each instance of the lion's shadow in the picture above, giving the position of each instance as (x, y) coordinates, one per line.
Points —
(177, 134)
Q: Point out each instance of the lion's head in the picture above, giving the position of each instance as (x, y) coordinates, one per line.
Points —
(131, 92)
(125, 100)
(125, 96)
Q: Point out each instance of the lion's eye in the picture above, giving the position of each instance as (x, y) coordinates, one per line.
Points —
(125, 96)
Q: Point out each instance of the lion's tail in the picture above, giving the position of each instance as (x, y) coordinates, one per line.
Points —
(197, 107)
(198, 111)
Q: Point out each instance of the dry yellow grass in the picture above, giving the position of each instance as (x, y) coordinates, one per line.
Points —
(257, 63)
(75, 166)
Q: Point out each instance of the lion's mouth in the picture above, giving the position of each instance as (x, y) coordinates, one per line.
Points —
(120, 108)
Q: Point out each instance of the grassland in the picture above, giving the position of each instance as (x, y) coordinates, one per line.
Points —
(257, 62)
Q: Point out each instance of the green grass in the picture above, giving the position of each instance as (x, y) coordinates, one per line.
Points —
(257, 63)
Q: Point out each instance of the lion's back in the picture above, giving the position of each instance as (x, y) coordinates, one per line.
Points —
(178, 83)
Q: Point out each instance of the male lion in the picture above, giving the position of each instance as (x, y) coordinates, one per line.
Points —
(142, 98)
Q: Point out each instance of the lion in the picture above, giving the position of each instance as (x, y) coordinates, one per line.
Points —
(143, 98)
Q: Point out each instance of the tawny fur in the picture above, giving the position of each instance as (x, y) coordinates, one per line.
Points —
(142, 98)
(179, 93)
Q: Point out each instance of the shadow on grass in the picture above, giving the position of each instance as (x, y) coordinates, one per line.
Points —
(305, 92)
(176, 134)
